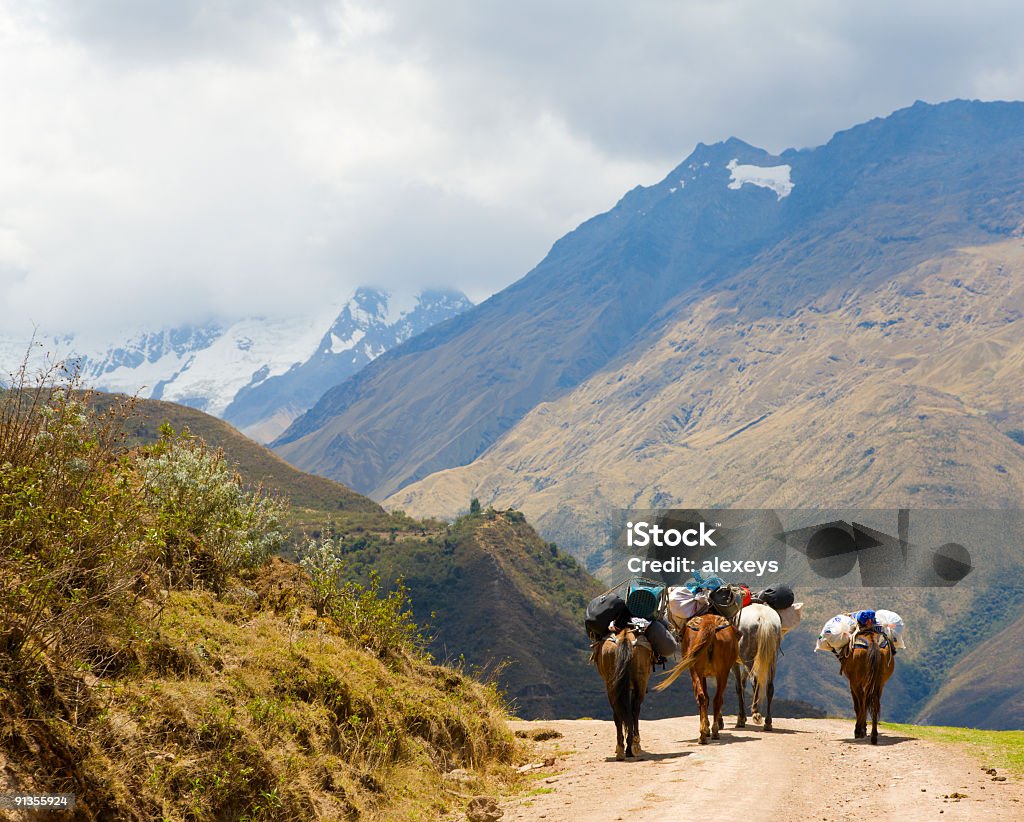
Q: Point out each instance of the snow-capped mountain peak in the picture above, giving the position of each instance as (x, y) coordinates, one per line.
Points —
(258, 372)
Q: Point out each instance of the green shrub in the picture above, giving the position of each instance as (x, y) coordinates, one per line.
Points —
(321, 558)
(73, 535)
(209, 525)
(381, 621)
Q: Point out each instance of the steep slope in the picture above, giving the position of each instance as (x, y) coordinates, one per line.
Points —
(501, 599)
(905, 393)
(252, 460)
(770, 235)
(494, 594)
(983, 689)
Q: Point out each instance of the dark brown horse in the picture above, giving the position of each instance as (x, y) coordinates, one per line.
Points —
(868, 666)
(709, 646)
(624, 660)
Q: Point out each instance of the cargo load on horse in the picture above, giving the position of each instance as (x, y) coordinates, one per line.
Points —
(840, 632)
(642, 611)
(700, 595)
(780, 597)
(683, 604)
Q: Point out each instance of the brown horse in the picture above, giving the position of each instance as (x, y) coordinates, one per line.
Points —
(868, 666)
(624, 660)
(710, 647)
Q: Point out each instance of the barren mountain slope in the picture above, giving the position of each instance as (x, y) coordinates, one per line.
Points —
(902, 393)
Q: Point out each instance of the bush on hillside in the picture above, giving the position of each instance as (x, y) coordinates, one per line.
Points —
(380, 620)
(209, 525)
(74, 547)
(321, 558)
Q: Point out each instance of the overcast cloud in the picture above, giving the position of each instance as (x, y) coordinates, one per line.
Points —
(167, 162)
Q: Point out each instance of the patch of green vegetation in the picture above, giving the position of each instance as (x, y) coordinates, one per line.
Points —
(993, 749)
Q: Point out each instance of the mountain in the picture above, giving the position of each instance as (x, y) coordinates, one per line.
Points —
(365, 328)
(983, 688)
(753, 247)
(258, 372)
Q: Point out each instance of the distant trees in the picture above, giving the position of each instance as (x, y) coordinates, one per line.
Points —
(474, 506)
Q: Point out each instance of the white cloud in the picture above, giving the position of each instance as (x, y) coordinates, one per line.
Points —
(162, 162)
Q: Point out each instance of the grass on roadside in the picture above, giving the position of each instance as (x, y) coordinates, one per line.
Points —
(993, 749)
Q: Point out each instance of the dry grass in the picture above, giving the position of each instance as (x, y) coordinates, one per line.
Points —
(252, 708)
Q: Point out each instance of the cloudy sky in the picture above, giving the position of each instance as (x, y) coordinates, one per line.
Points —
(163, 162)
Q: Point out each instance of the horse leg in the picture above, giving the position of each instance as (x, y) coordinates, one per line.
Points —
(639, 692)
(620, 749)
(755, 700)
(876, 707)
(721, 683)
(859, 710)
(700, 690)
(741, 686)
(769, 693)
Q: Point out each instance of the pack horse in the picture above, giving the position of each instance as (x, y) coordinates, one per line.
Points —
(709, 646)
(624, 660)
(760, 635)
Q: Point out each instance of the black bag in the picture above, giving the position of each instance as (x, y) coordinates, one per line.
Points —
(779, 598)
(605, 609)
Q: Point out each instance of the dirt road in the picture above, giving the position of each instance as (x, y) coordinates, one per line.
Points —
(805, 769)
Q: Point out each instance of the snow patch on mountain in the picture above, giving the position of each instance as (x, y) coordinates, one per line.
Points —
(774, 177)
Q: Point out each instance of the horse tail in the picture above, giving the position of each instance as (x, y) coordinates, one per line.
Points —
(763, 669)
(622, 685)
(705, 636)
(876, 670)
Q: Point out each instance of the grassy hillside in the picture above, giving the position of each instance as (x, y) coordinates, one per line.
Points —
(158, 662)
(253, 461)
(497, 598)
(251, 708)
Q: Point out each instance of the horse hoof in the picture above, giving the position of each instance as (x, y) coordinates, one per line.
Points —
(740, 724)
(620, 754)
(874, 739)
(702, 741)
(714, 735)
(767, 726)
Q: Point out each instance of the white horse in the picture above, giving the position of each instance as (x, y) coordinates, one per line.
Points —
(760, 630)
